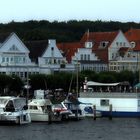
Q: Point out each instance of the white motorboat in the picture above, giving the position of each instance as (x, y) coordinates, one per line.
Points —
(42, 109)
(14, 109)
(38, 109)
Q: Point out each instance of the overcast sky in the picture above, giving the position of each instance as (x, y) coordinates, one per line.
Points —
(64, 10)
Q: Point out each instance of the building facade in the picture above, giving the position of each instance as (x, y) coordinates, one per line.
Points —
(97, 51)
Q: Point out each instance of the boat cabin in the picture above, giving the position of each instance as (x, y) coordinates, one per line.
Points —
(14, 109)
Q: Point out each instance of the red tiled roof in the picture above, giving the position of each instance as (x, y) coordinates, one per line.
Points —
(97, 37)
(102, 55)
(69, 49)
(134, 35)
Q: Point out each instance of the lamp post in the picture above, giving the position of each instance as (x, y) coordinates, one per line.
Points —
(27, 87)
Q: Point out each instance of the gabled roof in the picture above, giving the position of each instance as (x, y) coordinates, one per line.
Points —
(69, 49)
(13, 39)
(133, 35)
(98, 37)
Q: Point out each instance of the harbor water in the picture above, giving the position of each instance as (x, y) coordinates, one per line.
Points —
(86, 129)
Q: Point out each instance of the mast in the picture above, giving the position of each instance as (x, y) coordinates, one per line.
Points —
(77, 81)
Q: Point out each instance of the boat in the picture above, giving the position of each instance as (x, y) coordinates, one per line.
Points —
(74, 108)
(40, 109)
(61, 110)
(113, 103)
(89, 110)
(14, 109)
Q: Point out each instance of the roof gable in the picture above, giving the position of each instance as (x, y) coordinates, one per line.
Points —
(52, 50)
(121, 41)
(13, 44)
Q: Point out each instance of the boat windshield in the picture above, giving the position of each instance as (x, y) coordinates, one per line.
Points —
(58, 106)
(3, 101)
(19, 103)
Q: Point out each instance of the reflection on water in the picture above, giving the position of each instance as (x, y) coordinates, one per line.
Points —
(86, 129)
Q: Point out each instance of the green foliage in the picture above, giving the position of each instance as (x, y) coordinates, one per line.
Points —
(38, 81)
(66, 81)
(16, 84)
(68, 31)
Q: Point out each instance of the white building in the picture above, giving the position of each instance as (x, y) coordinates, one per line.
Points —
(14, 57)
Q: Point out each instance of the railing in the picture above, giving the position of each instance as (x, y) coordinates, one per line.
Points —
(109, 95)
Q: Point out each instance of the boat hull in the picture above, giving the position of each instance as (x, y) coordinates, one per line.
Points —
(119, 114)
(39, 117)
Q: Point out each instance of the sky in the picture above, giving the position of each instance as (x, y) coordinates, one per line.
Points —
(64, 10)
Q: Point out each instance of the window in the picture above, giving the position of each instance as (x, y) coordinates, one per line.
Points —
(13, 48)
(11, 59)
(138, 103)
(88, 44)
(88, 56)
(10, 106)
(3, 59)
(33, 107)
(103, 44)
(85, 57)
(7, 59)
(104, 102)
(23, 59)
(133, 44)
(81, 56)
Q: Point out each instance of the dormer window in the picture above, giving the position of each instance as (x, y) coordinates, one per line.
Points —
(133, 44)
(103, 44)
(13, 48)
(88, 44)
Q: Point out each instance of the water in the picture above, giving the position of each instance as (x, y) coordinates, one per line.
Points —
(86, 129)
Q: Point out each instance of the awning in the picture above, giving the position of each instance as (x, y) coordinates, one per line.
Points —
(92, 83)
(137, 85)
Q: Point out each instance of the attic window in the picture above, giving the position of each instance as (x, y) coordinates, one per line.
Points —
(133, 44)
(52, 48)
(88, 44)
(13, 48)
(103, 44)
